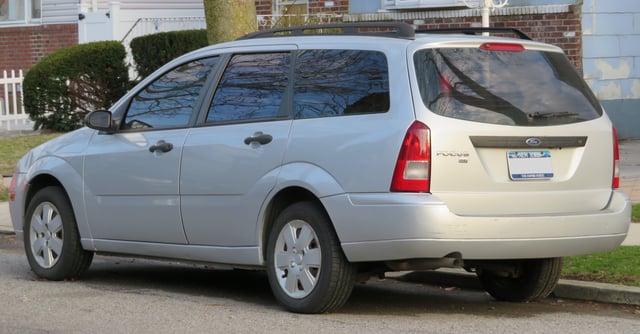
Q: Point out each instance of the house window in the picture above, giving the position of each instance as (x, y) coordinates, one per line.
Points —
(412, 4)
(288, 13)
(19, 11)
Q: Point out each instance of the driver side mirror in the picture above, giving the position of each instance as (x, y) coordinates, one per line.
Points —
(100, 120)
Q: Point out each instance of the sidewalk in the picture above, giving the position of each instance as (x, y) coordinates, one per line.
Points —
(580, 290)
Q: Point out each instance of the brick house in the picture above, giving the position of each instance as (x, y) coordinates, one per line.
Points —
(31, 29)
(601, 37)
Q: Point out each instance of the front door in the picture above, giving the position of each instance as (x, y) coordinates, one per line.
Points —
(132, 177)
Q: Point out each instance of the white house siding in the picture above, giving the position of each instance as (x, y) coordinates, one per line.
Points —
(611, 59)
(149, 4)
(59, 11)
(66, 11)
(140, 17)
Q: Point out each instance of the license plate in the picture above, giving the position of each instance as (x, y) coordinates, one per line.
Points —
(529, 165)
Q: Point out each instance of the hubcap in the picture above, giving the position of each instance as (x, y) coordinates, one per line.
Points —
(45, 235)
(297, 259)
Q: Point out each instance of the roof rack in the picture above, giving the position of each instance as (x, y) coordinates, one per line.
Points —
(386, 29)
(474, 31)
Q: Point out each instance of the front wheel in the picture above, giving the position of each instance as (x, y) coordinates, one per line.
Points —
(306, 267)
(51, 238)
(533, 279)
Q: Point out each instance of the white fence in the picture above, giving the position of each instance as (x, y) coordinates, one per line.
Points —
(12, 114)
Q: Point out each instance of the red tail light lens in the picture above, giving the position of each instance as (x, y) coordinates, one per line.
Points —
(509, 47)
(615, 184)
(413, 165)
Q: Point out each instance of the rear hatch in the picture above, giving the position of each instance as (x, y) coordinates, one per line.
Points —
(515, 130)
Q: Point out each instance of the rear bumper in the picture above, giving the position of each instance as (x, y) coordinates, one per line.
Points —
(378, 227)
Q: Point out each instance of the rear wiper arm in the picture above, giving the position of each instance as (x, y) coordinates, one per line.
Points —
(559, 114)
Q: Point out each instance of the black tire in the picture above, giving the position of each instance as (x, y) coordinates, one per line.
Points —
(51, 238)
(537, 278)
(334, 275)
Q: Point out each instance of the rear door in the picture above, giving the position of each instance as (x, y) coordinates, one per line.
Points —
(231, 160)
(515, 130)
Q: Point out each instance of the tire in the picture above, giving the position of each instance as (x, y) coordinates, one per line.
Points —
(536, 280)
(51, 238)
(306, 267)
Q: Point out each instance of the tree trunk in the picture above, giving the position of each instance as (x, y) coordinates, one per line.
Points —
(229, 19)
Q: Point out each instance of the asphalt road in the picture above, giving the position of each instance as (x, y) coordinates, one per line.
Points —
(121, 295)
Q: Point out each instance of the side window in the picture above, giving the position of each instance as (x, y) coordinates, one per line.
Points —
(340, 82)
(252, 87)
(169, 101)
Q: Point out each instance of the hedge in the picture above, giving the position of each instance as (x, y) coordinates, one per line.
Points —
(150, 52)
(66, 85)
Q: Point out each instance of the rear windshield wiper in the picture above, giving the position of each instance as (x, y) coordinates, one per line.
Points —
(559, 114)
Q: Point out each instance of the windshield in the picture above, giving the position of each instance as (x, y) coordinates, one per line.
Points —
(525, 88)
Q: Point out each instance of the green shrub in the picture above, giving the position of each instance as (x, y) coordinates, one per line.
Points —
(66, 85)
(150, 52)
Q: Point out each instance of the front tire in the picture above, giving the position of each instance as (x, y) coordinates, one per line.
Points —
(536, 279)
(306, 267)
(51, 238)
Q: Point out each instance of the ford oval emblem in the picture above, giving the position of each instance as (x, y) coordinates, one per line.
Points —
(533, 141)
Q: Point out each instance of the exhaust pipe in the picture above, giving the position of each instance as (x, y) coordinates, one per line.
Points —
(453, 260)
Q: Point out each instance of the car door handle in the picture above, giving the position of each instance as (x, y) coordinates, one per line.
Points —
(258, 137)
(161, 146)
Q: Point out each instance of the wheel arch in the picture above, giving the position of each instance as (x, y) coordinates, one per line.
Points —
(54, 171)
(297, 182)
(284, 198)
(38, 183)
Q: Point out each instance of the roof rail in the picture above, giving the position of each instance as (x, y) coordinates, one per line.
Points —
(475, 30)
(387, 29)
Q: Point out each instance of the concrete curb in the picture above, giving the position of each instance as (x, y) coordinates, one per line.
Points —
(600, 292)
(568, 289)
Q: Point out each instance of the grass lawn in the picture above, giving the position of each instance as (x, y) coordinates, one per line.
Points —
(620, 266)
(12, 149)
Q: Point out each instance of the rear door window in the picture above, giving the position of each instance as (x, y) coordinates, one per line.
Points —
(511, 87)
(252, 87)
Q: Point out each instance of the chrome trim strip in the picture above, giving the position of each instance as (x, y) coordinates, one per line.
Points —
(521, 141)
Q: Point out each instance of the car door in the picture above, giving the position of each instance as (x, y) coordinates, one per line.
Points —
(231, 161)
(132, 176)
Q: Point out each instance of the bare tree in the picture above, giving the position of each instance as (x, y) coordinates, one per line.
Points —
(229, 19)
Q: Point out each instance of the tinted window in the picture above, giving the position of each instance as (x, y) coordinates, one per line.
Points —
(169, 100)
(527, 88)
(252, 87)
(340, 82)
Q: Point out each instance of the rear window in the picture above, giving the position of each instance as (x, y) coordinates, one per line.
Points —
(525, 88)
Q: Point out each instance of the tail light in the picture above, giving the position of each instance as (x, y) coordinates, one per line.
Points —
(615, 184)
(508, 47)
(413, 165)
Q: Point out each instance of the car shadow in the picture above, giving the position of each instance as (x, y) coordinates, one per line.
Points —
(401, 295)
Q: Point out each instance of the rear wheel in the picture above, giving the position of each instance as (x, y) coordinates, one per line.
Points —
(51, 238)
(532, 279)
(307, 270)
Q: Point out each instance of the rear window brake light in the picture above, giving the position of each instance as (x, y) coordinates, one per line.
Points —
(509, 47)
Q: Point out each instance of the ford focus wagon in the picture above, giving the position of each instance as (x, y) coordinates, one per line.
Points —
(325, 154)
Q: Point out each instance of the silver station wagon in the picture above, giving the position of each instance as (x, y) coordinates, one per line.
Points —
(325, 154)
